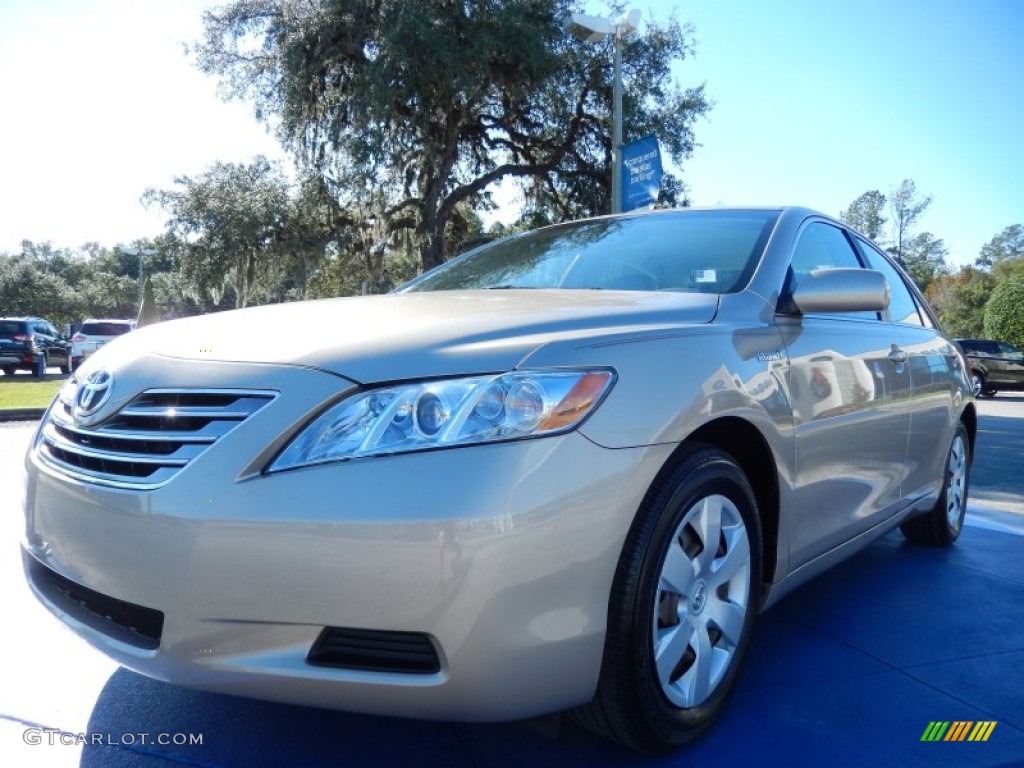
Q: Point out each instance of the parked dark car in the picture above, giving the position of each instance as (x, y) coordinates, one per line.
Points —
(995, 365)
(31, 344)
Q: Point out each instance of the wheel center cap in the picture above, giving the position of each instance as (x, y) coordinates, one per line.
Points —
(700, 597)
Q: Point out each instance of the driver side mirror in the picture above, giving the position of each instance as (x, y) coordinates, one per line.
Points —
(836, 290)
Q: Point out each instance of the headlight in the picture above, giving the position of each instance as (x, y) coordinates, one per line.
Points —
(447, 413)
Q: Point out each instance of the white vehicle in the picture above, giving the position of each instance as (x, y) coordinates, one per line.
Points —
(94, 334)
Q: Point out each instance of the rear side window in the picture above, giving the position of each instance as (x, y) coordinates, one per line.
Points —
(105, 329)
(1008, 350)
(10, 328)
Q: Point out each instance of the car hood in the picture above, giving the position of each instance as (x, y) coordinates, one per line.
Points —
(410, 335)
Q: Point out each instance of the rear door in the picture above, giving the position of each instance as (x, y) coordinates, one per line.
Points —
(937, 378)
(1012, 365)
(849, 384)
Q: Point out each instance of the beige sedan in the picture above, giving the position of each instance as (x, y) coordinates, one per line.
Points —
(564, 471)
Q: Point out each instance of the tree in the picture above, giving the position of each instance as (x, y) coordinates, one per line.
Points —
(1006, 246)
(924, 258)
(1004, 319)
(906, 207)
(866, 214)
(959, 300)
(227, 222)
(420, 106)
(28, 289)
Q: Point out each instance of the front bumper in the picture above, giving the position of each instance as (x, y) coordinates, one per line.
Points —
(503, 555)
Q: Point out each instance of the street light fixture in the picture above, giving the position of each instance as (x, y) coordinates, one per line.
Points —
(594, 29)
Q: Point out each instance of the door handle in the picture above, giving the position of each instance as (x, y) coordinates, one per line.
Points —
(898, 355)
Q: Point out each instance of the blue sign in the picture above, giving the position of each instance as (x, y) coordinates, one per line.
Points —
(641, 173)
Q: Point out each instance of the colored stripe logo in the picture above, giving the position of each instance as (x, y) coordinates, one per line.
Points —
(958, 730)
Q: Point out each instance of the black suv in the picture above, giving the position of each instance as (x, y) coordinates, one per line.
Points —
(31, 344)
(995, 365)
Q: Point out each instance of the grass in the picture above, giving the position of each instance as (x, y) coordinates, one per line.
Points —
(26, 393)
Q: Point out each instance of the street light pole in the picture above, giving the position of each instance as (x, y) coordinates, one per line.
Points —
(617, 125)
(140, 252)
(593, 29)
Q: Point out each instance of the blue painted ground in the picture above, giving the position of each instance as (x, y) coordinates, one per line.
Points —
(848, 670)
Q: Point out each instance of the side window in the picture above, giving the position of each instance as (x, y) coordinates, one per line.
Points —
(822, 246)
(40, 328)
(1008, 350)
(902, 307)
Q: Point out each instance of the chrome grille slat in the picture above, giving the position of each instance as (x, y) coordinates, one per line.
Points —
(183, 437)
(57, 441)
(174, 413)
(149, 440)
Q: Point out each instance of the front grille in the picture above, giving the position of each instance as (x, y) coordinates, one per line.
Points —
(150, 439)
(119, 619)
(375, 650)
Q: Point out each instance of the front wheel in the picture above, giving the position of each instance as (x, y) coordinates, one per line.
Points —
(941, 526)
(682, 607)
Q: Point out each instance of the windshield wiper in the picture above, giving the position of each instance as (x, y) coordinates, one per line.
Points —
(511, 287)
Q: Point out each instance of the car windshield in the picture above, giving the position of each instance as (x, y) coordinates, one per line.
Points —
(105, 329)
(687, 251)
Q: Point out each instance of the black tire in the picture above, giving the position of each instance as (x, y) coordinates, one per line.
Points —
(941, 526)
(65, 367)
(978, 384)
(634, 704)
(8, 370)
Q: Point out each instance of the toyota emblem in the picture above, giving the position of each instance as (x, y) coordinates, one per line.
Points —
(93, 393)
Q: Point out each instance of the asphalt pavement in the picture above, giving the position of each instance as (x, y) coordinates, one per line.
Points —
(852, 668)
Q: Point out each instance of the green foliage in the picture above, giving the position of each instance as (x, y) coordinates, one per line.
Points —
(866, 214)
(924, 258)
(959, 300)
(907, 206)
(409, 111)
(69, 285)
(31, 288)
(1004, 313)
(1008, 245)
(227, 223)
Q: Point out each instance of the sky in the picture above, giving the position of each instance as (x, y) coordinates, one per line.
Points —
(814, 103)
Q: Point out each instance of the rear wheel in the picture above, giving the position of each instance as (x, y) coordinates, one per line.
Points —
(8, 370)
(682, 607)
(941, 526)
(977, 384)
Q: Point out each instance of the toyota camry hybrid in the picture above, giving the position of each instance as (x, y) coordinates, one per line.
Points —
(563, 471)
